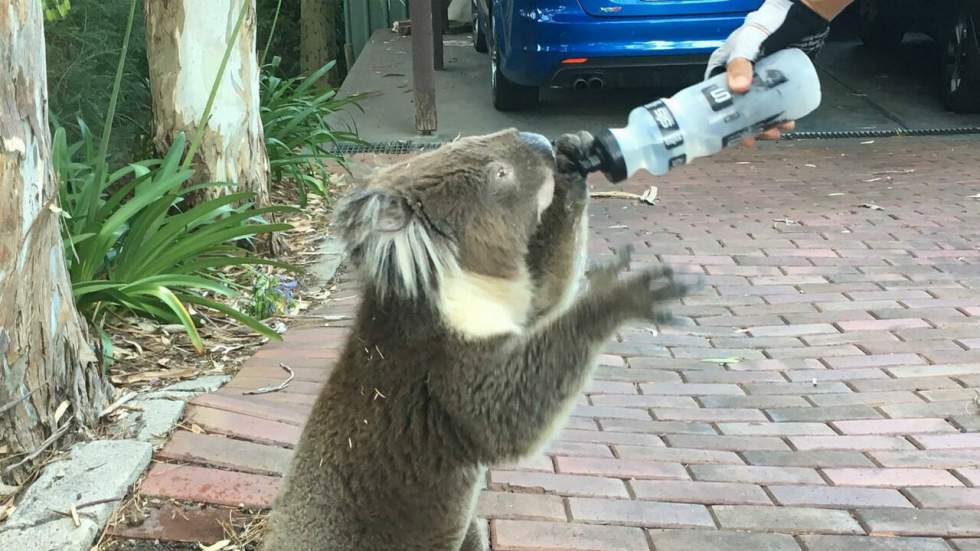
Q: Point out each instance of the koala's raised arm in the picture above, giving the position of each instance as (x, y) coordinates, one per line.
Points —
(524, 385)
(557, 251)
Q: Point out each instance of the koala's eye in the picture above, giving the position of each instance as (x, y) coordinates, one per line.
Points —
(500, 173)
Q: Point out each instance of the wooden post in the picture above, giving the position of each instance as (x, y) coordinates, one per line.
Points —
(440, 13)
(423, 68)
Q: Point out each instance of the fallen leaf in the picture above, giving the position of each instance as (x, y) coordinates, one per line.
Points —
(217, 546)
(871, 206)
(907, 171)
(62, 408)
(650, 196)
(144, 376)
(196, 429)
(722, 361)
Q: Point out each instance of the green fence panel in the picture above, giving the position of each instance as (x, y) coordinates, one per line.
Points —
(363, 17)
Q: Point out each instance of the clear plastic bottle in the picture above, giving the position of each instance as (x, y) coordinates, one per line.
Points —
(705, 118)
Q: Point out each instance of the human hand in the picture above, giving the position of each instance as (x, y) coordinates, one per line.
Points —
(739, 72)
(776, 25)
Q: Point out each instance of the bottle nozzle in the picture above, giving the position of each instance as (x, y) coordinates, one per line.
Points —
(606, 156)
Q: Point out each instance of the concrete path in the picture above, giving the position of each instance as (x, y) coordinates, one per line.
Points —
(820, 396)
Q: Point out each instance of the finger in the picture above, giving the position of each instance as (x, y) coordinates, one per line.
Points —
(749, 142)
(739, 75)
(788, 126)
(771, 134)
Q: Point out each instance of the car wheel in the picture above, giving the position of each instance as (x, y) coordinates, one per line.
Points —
(961, 64)
(508, 95)
(479, 35)
(879, 30)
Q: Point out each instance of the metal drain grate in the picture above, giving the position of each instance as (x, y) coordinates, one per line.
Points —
(387, 148)
(409, 147)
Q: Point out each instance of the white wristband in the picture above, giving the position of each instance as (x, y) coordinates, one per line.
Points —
(746, 41)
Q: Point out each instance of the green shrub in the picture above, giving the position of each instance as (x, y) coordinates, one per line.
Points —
(132, 241)
(297, 136)
(133, 244)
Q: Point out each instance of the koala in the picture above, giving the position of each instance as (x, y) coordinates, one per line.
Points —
(470, 345)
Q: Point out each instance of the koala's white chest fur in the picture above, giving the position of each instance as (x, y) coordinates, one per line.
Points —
(480, 306)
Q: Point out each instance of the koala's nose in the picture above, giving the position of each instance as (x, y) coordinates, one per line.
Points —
(538, 142)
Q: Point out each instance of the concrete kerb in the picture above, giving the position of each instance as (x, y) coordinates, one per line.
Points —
(94, 479)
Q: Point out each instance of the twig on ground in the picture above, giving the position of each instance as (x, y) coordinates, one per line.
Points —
(40, 449)
(614, 195)
(277, 388)
(117, 404)
(73, 509)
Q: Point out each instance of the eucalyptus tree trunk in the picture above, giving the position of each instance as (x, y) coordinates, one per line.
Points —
(45, 357)
(186, 41)
(318, 37)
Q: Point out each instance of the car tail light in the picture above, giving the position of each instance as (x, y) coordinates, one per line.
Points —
(574, 60)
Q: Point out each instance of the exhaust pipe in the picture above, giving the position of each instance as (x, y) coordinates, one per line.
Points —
(597, 83)
(580, 84)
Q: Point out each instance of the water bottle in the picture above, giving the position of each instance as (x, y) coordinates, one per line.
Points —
(705, 118)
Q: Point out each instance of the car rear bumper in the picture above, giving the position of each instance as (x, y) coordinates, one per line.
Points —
(622, 72)
(625, 50)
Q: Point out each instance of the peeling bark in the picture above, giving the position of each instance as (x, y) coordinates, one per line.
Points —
(45, 357)
(186, 41)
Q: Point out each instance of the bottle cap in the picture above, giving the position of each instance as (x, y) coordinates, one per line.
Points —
(609, 156)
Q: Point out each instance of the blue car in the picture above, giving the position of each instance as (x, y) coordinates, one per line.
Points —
(598, 43)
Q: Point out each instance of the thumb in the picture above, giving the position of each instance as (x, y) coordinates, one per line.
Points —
(739, 75)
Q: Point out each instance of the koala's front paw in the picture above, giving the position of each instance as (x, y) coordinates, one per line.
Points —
(653, 289)
(605, 274)
(571, 150)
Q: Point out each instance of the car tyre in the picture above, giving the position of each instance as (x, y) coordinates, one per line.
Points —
(879, 30)
(961, 64)
(508, 95)
(479, 35)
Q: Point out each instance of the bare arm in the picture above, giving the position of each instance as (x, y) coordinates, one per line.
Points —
(776, 25)
(829, 9)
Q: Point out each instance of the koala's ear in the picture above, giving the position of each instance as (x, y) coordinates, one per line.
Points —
(392, 243)
(367, 210)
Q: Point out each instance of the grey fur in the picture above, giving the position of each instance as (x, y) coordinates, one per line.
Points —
(396, 448)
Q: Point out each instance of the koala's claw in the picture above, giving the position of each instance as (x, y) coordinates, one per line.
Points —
(624, 257)
(656, 287)
(607, 272)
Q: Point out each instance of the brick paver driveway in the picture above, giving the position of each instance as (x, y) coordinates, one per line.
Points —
(819, 395)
